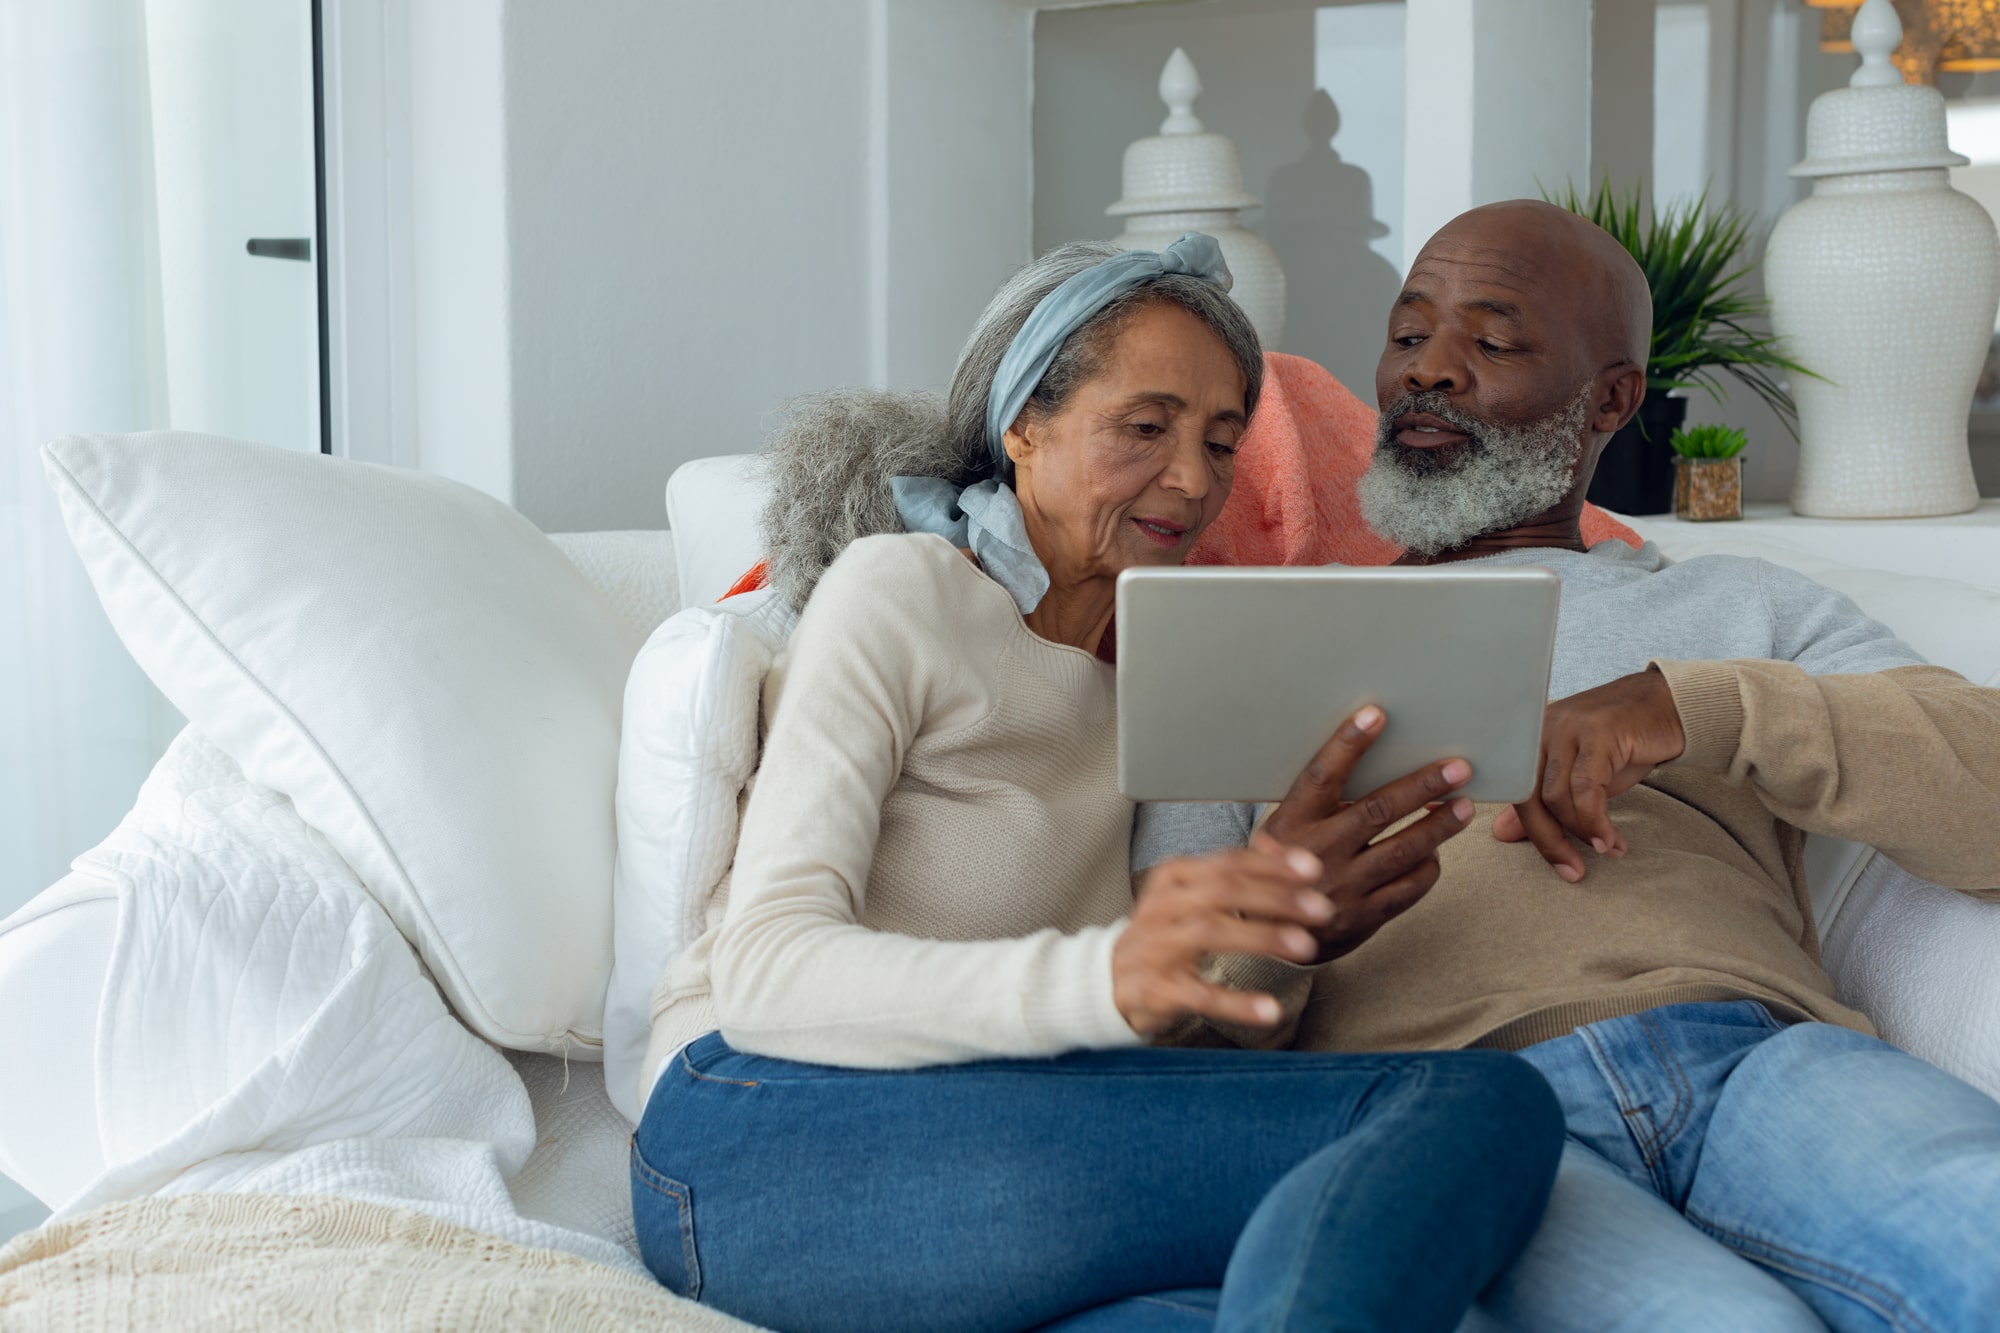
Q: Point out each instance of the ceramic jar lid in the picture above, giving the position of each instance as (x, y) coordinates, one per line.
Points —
(1181, 169)
(1182, 173)
(1898, 128)
(1877, 122)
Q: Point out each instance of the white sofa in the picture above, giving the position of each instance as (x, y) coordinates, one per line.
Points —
(56, 949)
(1917, 958)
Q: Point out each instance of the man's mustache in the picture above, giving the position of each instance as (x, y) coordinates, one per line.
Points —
(1438, 405)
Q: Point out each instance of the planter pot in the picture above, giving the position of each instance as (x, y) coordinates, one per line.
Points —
(1635, 475)
(1706, 489)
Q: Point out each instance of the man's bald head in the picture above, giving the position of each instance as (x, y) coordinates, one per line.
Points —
(1591, 281)
(1517, 346)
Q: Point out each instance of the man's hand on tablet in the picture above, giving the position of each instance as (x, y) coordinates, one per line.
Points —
(1595, 746)
(1368, 878)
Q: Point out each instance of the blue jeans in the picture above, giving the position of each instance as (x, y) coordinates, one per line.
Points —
(1830, 1179)
(1317, 1191)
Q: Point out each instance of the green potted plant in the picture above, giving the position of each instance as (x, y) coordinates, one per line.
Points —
(1708, 473)
(1704, 323)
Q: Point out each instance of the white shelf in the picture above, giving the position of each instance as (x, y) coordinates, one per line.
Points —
(1959, 546)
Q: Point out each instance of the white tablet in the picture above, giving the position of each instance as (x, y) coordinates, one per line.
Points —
(1230, 680)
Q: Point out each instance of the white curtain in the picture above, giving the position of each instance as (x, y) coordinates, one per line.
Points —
(80, 350)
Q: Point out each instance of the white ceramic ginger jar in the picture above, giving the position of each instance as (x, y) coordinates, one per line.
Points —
(1885, 282)
(1184, 179)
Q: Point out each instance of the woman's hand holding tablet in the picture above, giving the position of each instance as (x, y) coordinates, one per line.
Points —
(1260, 899)
(1313, 884)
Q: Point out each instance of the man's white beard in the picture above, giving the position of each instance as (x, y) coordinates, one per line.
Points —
(1503, 475)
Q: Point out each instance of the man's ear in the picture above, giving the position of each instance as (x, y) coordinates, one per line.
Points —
(1619, 399)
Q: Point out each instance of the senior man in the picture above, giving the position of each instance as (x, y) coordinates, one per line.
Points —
(1745, 1153)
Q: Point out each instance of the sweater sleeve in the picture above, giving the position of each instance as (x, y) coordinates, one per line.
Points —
(1907, 759)
(880, 657)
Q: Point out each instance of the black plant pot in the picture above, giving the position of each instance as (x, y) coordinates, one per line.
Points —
(1636, 473)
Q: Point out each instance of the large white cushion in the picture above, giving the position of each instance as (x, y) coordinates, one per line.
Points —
(712, 507)
(431, 682)
(690, 745)
(1918, 959)
(1952, 623)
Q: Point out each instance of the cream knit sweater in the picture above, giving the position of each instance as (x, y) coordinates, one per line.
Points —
(934, 860)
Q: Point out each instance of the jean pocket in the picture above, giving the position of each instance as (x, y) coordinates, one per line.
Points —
(663, 1217)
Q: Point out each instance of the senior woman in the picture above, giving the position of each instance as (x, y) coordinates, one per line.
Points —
(907, 1081)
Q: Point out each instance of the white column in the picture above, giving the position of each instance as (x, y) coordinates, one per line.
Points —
(461, 251)
(1621, 92)
(1438, 129)
(1498, 105)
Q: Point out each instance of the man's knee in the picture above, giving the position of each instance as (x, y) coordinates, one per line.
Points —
(1611, 1255)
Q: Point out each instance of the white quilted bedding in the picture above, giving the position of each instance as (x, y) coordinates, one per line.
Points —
(265, 1029)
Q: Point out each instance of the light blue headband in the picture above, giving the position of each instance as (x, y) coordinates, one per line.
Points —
(1069, 307)
(986, 516)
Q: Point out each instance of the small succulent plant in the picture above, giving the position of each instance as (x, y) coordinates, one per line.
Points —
(1709, 442)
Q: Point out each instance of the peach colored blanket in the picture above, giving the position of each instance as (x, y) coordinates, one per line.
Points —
(1296, 470)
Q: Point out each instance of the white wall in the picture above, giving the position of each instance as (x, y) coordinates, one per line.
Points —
(1503, 107)
(460, 262)
(1621, 92)
(687, 219)
(1682, 61)
(1359, 53)
(953, 130)
(1279, 79)
(709, 208)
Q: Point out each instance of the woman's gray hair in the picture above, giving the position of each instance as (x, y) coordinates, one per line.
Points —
(832, 455)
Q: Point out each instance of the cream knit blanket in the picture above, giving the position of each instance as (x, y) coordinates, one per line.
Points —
(259, 1261)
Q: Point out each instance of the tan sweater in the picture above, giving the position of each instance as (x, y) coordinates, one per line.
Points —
(1710, 903)
(1802, 715)
(934, 860)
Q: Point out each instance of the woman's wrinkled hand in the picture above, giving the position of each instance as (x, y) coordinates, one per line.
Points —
(1259, 900)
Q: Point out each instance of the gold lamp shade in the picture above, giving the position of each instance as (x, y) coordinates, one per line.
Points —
(1836, 28)
(1971, 34)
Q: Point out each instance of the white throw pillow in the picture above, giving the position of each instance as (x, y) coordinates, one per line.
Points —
(432, 683)
(712, 507)
(691, 743)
